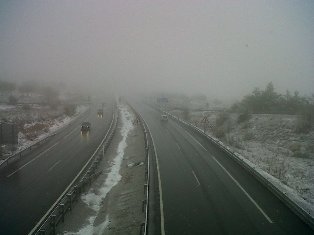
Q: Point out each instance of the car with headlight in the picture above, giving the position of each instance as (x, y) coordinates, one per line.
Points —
(85, 127)
(164, 118)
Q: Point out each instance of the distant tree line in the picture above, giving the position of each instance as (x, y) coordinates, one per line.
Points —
(268, 101)
(49, 93)
(271, 102)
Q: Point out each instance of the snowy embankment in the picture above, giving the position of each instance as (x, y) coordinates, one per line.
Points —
(270, 142)
(54, 126)
(50, 127)
(95, 197)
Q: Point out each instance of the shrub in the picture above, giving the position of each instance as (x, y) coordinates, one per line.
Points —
(303, 125)
(54, 104)
(32, 132)
(219, 132)
(269, 101)
(70, 110)
(186, 114)
(234, 142)
(26, 107)
(245, 125)
(248, 136)
(310, 148)
(299, 154)
(12, 100)
(294, 147)
(244, 117)
(221, 118)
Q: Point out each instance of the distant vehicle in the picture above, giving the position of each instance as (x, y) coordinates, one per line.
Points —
(164, 117)
(85, 127)
(100, 113)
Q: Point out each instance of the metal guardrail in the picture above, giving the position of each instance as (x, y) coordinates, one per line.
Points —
(303, 213)
(144, 226)
(20, 153)
(56, 214)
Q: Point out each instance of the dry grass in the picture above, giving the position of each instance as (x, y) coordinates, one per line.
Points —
(33, 131)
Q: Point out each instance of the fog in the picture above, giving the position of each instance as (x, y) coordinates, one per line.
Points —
(218, 48)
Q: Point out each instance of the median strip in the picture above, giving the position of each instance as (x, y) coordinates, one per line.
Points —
(94, 198)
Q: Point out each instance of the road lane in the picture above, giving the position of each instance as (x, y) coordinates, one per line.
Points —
(228, 214)
(35, 182)
(228, 200)
(53, 166)
(34, 159)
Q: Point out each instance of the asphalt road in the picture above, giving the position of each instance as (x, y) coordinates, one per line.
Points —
(30, 186)
(206, 192)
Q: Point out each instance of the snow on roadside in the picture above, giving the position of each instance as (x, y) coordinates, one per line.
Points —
(57, 124)
(81, 109)
(66, 120)
(94, 197)
(6, 107)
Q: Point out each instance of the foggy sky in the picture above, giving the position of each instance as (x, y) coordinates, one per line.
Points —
(218, 48)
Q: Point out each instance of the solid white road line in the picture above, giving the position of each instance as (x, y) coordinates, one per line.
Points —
(38, 156)
(196, 140)
(178, 147)
(243, 190)
(54, 165)
(198, 182)
(237, 183)
(162, 218)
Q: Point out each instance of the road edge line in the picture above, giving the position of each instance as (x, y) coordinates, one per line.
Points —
(244, 191)
(162, 219)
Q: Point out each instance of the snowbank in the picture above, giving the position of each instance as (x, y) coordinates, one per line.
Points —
(52, 126)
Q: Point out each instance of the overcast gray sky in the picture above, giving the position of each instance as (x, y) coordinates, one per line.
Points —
(219, 48)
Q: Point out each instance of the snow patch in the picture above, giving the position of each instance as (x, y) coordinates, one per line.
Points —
(58, 124)
(90, 229)
(94, 197)
(6, 107)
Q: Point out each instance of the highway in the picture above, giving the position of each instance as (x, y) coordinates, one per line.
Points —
(206, 192)
(31, 185)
